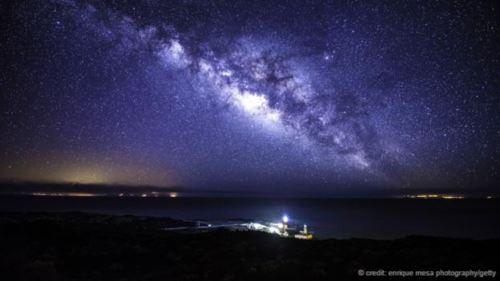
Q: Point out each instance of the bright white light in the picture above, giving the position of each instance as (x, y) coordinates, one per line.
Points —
(256, 105)
(257, 226)
(226, 73)
(176, 48)
(273, 229)
(285, 219)
(251, 103)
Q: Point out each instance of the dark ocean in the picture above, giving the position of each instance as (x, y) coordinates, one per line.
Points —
(328, 218)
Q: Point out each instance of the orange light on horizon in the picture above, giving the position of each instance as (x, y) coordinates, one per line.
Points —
(64, 194)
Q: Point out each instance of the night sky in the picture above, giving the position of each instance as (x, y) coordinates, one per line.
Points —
(251, 95)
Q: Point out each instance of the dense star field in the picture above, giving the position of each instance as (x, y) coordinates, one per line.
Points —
(251, 95)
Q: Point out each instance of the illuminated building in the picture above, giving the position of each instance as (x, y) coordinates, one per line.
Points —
(283, 228)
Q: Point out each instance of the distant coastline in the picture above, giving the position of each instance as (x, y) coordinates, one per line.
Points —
(14, 187)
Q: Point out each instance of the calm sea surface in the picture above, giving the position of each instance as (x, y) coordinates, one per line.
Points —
(328, 218)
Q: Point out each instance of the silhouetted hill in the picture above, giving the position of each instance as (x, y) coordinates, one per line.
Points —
(79, 246)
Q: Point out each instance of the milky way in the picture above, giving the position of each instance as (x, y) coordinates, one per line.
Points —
(247, 95)
(262, 85)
